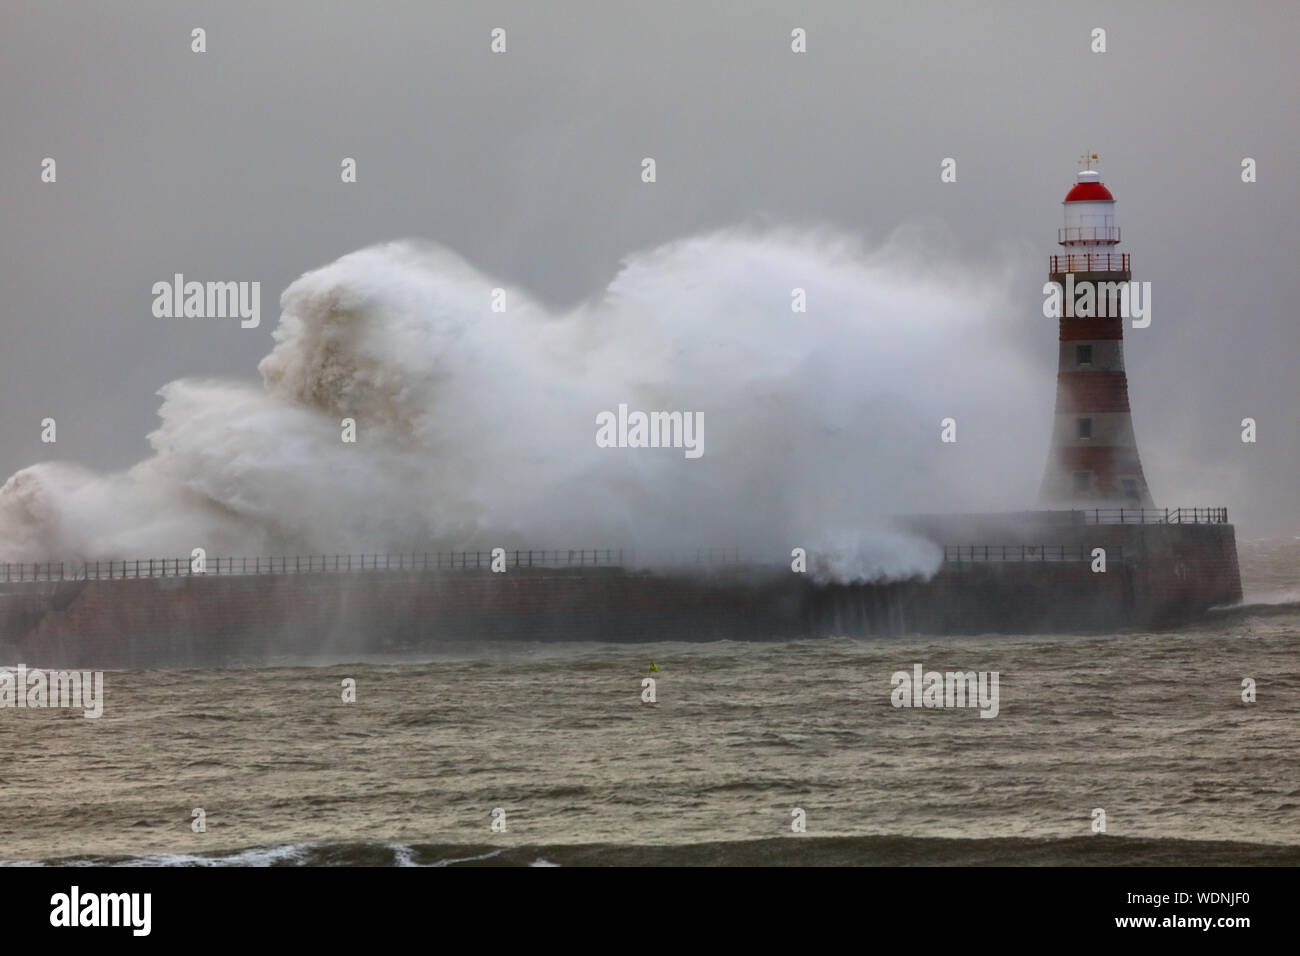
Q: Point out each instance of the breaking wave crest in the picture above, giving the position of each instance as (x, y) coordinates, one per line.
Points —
(476, 428)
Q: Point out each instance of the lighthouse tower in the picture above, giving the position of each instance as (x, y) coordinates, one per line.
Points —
(1094, 460)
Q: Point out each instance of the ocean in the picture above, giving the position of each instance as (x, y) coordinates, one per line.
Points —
(554, 745)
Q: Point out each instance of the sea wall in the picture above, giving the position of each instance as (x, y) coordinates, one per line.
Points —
(1156, 576)
(195, 621)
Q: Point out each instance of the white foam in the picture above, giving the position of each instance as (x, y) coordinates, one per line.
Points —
(477, 429)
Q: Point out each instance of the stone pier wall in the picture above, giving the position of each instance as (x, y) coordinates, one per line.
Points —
(1157, 575)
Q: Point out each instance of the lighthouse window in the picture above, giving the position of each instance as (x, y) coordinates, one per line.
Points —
(1083, 355)
(1085, 428)
(1130, 488)
(1082, 480)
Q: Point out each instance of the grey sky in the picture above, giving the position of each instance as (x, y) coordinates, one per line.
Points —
(226, 166)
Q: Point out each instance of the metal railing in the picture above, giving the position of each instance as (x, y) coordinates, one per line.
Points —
(972, 553)
(1087, 234)
(1151, 516)
(133, 569)
(1091, 262)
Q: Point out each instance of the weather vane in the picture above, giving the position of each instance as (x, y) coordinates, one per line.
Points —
(1086, 160)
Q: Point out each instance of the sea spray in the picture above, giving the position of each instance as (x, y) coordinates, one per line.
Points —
(474, 427)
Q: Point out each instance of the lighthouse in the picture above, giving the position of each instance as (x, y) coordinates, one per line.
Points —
(1093, 461)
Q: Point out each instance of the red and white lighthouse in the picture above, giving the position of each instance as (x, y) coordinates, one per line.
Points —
(1094, 457)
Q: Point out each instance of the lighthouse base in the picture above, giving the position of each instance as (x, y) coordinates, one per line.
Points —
(1155, 577)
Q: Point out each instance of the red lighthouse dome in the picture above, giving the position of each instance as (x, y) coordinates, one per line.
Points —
(1089, 190)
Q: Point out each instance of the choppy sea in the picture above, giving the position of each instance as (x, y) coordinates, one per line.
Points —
(742, 742)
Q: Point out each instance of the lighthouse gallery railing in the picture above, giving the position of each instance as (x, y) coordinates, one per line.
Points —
(1091, 262)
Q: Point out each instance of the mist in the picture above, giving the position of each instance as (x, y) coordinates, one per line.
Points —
(476, 428)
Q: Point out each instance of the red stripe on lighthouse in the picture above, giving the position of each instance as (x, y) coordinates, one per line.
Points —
(1091, 392)
(1081, 330)
(1107, 464)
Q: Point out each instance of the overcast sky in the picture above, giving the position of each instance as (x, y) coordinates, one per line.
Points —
(225, 165)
